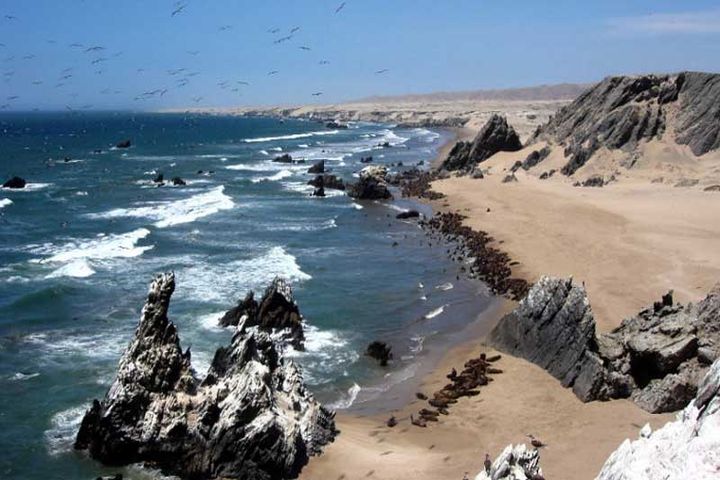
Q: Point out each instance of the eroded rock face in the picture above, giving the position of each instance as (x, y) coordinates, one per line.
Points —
(251, 417)
(277, 313)
(656, 358)
(495, 136)
(515, 463)
(372, 184)
(620, 112)
(688, 447)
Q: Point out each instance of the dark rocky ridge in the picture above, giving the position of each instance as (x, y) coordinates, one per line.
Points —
(656, 358)
(251, 417)
(495, 136)
(620, 112)
(277, 313)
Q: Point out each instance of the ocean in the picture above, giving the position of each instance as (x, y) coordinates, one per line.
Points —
(82, 241)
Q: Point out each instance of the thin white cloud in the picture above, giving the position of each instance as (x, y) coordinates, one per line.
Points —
(707, 21)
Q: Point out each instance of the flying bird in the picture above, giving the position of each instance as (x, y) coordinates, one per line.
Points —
(324, 62)
(98, 60)
(225, 27)
(342, 5)
(304, 48)
(94, 49)
(10, 17)
(273, 30)
(283, 39)
(12, 97)
(294, 29)
(179, 7)
(317, 94)
(76, 45)
(37, 82)
(193, 52)
(384, 70)
(274, 72)
(28, 57)
(242, 83)
(197, 99)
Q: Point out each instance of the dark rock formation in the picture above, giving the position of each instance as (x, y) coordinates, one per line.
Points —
(284, 158)
(251, 417)
(535, 157)
(336, 125)
(594, 181)
(407, 214)
(548, 174)
(15, 182)
(327, 181)
(380, 351)
(124, 144)
(369, 188)
(511, 178)
(366, 159)
(318, 167)
(277, 314)
(177, 181)
(620, 112)
(656, 358)
(712, 188)
(159, 178)
(495, 136)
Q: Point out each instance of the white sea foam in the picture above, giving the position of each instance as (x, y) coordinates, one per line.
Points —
(445, 286)
(167, 214)
(63, 428)
(19, 376)
(4, 202)
(290, 137)
(210, 321)
(436, 312)
(273, 178)
(262, 167)
(263, 152)
(283, 226)
(348, 399)
(224, 283)
(78, 256)
(81, 193)
(276, 149)
(357, 206)
(29, 187)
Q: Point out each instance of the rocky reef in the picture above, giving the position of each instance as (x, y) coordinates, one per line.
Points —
(495, 136)
(277, 314)
(656, 358)
(688, 447)
(620, 112)
(372, 184)
(15, 182)
(250, 417)
(516, 462)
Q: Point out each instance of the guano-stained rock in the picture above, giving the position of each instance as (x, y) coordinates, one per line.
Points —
(250, 417)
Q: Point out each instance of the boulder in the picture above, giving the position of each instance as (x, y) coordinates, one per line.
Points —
(407, 214)
(177, 181)
(250, 416)
(594, 181)
(366, 159)
(656, 357)
(15, 182)
(690, 443)
(318, 167)
(535, 157)
(159, 178)
(511, 178)
(378, 172)
(495, 136)
(369, 188)
(327, 181)
(284, 158)
(336, 125)
(124, 144)
(380, 351)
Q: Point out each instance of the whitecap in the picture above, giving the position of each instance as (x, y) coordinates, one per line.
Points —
(263, 152)
(77, 269)
(81, 193)
(273, 178)
(436, 312)
(290, 137)
(29, 187)
(357, 206)
(167, 214)
(445, 286)
(19, 376)
(4, 202)
(263, 167)
(64, 425)
(210, 321)
(276, 149)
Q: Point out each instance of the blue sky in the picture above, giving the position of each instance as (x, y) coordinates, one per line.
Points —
(151, 59)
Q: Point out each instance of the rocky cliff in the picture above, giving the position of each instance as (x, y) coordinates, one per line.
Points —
(620, 112)
(515, 463)
(250, 417)
(656, 358)
(688, 447)
(495, 136)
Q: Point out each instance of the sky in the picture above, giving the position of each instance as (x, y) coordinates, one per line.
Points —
(135, 54)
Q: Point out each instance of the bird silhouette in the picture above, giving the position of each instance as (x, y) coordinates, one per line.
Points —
(340, 7)
(179, 7)
(317, 94)
(384, 70)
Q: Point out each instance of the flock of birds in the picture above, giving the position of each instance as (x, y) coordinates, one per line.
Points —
(97, 56)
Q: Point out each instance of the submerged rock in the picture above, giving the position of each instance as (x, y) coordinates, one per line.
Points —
(318, 167)
(336, 125)
(249, 417)
(15, 182)
(656, 357)
(496, 136)
(328, 181)
(688, 447)
(124, 144)
(177, 181)
(284, 158)
(515, 463)
(277, 314)
(380, 351)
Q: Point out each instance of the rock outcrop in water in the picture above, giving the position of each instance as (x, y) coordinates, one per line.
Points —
(495, 136)
(277, 314)
(317, 167)
(328, 181)
(688, 447)
(656, 358)
(124, 144)
(621, 112)
(251, 417)
(372, 184)
(15, 182)
(515, 463)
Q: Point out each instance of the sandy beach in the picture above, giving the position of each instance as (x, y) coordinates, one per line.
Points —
(628, 242)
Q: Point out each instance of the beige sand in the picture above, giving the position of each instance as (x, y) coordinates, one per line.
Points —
(629, 241)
